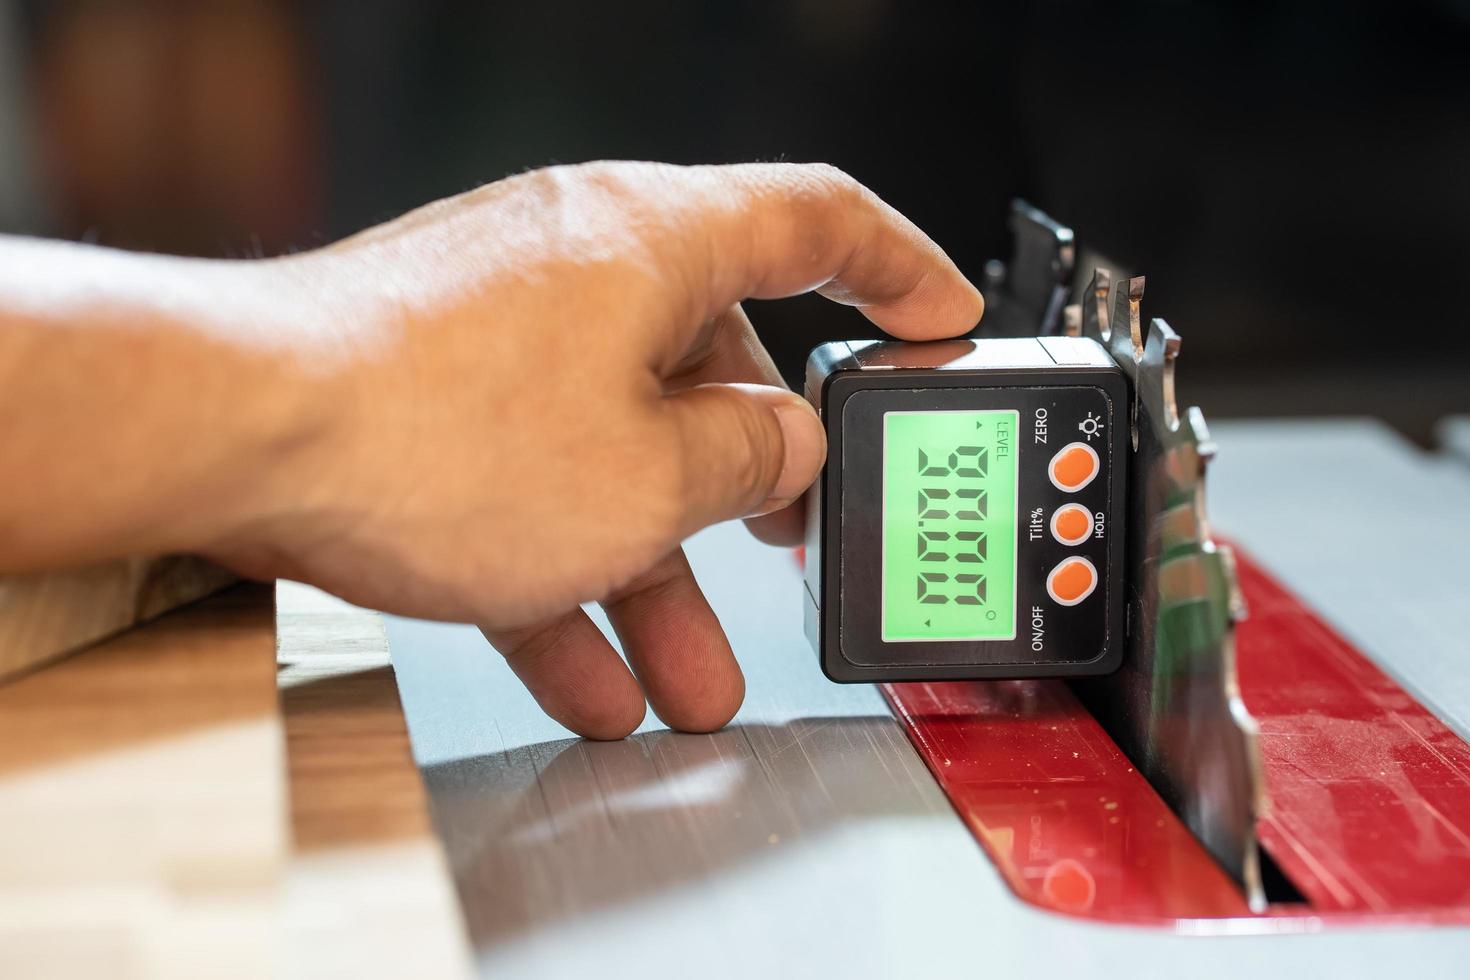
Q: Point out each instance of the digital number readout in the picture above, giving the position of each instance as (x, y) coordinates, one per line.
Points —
(949, 525)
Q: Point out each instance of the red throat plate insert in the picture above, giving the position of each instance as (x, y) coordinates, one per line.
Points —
(1370, 792)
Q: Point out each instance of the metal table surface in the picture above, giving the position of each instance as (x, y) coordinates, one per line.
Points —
(808, 839)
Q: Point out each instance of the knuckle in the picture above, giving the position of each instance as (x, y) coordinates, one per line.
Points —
(629, 187)
(756, 448)
(540, 642)
(820, 198)
(602, 174)
(830, 175)
(832, 183)
(544, 188)
(640, 206)
(728, 461)
(600, 194)
(658, 581)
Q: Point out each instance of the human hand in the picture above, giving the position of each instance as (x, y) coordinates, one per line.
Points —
(547, 384)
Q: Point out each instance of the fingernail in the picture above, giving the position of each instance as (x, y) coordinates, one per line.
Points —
(805, 451)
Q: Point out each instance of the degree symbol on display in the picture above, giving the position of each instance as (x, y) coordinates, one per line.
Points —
(1090, 426)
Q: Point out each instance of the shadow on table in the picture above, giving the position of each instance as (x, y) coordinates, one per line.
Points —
(560, 829)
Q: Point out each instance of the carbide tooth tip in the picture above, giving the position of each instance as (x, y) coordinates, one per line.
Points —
(1124, 324)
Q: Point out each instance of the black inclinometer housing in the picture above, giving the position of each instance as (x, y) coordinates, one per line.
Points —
(1068, 392)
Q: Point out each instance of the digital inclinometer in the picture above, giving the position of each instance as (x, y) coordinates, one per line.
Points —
(968, 523)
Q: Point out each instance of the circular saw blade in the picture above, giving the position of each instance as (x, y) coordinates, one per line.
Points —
(1174, 707)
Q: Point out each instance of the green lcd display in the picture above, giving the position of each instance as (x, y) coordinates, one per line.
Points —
(949, 526)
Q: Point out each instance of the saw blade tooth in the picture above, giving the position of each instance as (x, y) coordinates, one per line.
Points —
(1124, 297)
(1102, 286)
(1178, 528)
(1201, 432)
(1095, 305)
(1182, 468)
(1238, 608)
(1174, 706)
(1066, 263)
(1198, 432)
(1184, 579)
(1072, 320)
(1160, 350)
(1125, 324)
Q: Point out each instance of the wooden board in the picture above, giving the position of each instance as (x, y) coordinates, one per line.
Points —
(142, 802)
(175, 803)
(368, 890)
(46, 616)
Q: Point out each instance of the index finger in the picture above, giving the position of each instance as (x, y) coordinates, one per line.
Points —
(765, 231)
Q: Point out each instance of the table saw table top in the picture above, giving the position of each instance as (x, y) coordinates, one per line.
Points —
(809, 839)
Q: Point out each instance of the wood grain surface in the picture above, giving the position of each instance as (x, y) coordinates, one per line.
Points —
(175, 803)
(142, 801)
(369, 892)
(45, 616)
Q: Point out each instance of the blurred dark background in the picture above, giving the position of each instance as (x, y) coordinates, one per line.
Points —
(1293, 178)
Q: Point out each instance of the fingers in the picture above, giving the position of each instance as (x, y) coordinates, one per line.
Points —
(741, 450)
(677, 648)
(772, 230)
(574, 674)
(673, 642)
(727, 350)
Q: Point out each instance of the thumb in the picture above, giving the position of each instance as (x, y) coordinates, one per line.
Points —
(744, 449)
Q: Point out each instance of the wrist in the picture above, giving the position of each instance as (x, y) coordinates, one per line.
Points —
(285, 413)
(167, 401)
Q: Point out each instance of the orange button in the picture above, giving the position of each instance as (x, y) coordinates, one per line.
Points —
(1071, 524)
(1073, 467)
(1072, 581)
